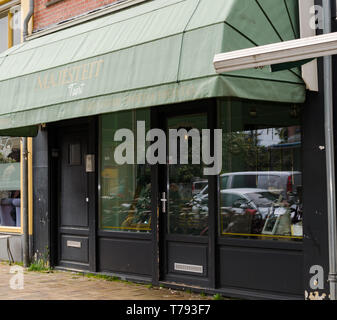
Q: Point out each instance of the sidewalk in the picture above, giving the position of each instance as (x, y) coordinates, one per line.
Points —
(58, 285)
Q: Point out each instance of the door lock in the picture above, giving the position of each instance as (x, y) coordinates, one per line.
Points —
(163, 202)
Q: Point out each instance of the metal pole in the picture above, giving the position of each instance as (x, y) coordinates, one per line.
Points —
(24, 197)
(330, 157)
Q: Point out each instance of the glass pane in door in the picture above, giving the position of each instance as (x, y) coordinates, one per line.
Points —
(187, 185)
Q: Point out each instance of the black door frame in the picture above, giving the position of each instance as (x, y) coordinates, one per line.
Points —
(54, 169)
(158, 119)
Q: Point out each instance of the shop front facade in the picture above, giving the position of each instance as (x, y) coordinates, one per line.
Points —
(219, 204)
(171, 223)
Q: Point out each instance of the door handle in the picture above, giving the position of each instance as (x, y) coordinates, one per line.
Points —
(163, 202)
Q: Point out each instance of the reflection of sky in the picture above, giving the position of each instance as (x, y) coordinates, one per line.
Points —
(268, 137)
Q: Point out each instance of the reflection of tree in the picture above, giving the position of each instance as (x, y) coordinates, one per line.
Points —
(282, 134)
(140, 209)
(243, 151)
(185, 173)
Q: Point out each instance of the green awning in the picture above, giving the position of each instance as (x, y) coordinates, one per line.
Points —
(160, 52)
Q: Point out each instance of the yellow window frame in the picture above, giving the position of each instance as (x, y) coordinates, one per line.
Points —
(10, 30)
(19, 230)
(2, 2)
(10, 20)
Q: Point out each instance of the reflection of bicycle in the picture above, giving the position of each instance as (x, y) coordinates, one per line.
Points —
(278, 221)
(272, 221)
(296, 212)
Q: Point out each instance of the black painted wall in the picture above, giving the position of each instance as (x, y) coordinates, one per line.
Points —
(314, 196)
(314, 180)
(41, 217)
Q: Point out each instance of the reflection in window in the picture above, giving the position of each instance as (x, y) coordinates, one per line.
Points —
(261, 181)
(3, 32)
(187, 189)
(10, 28)
(10, 215)
(125, 190)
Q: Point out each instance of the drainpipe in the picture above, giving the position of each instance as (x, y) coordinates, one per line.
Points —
(27, 18)
(330, 157)
(24, 193)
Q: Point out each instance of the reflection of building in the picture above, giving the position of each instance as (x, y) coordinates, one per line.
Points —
(286, 156)
(294, 134)
(152, 61)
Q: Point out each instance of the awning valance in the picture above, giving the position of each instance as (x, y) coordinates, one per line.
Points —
(160, 52)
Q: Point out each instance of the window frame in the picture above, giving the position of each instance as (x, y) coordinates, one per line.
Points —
(5, 9)
(120, 231)
(248, 238)
(11, 229)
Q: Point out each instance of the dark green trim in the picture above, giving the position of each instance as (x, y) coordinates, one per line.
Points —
(30, 131)
(289, 65)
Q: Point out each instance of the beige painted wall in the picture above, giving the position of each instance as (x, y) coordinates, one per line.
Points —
(309, 70)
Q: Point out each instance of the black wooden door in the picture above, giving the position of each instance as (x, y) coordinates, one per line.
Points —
(73, 217)
(184, 203)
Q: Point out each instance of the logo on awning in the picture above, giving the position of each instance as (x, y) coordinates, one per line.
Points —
(70, 75)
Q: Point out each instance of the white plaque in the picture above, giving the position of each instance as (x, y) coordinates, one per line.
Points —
(188, 268)
(74, 244)
(90, 163)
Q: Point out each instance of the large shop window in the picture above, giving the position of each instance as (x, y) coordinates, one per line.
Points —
(10, 182)
(125, 190)
(187, 199)
(261, 182)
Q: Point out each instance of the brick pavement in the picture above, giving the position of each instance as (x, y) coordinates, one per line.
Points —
(59, 285)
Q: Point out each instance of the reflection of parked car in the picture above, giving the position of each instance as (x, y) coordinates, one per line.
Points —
(245, 210)
(197, 186)
(239, 200)
(199, 203)
(279, 182)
